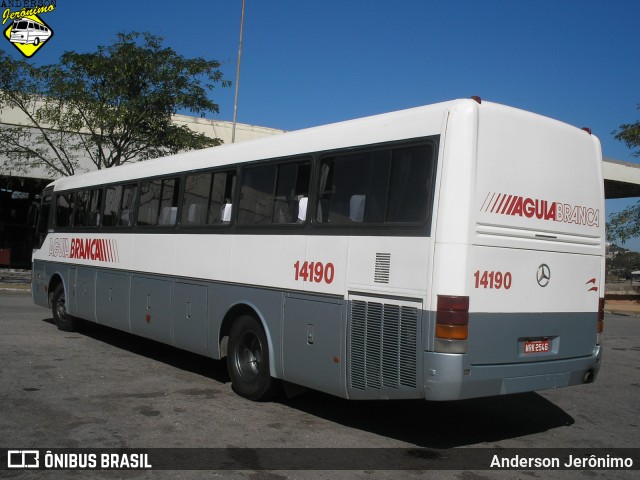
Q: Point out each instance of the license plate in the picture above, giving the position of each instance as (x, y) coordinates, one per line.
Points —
(537, 346)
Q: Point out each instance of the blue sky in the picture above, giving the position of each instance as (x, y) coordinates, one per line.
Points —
(307, 63)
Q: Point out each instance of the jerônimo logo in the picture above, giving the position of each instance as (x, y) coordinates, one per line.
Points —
(26, 30)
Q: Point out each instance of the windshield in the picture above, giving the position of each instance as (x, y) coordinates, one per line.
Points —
(20, 25)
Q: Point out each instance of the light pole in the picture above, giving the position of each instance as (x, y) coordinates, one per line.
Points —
(235, 103)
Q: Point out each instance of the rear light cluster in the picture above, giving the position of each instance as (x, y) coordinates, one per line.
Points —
(452, 324)
(600, 321)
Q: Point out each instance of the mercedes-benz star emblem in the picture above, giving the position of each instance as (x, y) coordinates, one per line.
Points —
(543, 276)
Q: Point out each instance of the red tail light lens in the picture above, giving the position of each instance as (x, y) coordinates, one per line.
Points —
(452, 317)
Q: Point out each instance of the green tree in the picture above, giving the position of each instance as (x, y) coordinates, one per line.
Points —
(626, 224)
(629, 133)
(113, 106)
(622, 261)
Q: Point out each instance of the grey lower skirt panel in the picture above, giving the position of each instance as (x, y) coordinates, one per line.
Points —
(363, 350)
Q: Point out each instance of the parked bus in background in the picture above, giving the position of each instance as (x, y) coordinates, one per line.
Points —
(443, 252)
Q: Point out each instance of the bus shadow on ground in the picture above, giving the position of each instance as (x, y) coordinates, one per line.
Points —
(425, 424)
(175, 357)
(440, 424)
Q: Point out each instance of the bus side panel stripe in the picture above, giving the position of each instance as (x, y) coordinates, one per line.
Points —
(506, 204)
(513, 203)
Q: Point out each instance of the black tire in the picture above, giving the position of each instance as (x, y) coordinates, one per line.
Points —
(248, 360)
(36, 42)
(62, 319)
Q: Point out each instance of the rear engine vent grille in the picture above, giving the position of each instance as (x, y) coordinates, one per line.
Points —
(382, 345)
(383, 267)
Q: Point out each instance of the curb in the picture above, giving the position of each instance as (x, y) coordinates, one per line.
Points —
(15, 286)
(622, 313)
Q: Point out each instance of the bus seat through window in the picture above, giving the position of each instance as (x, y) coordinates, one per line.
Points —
(195, 214)
(302, 209)
(225, 214)
(168, 216)
(356, 208)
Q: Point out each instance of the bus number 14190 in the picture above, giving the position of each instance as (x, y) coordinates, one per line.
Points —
(492, 279)
(314, 272)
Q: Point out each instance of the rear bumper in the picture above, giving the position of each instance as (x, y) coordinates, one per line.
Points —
(450, 377)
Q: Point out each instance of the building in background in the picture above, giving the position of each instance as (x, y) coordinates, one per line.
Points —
(20, 193)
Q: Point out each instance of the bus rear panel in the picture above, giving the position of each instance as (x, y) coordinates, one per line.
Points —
(520, 240)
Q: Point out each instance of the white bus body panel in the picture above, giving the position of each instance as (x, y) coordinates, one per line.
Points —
(519, 194)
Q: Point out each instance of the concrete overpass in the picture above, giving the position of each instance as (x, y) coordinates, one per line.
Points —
(621, 179)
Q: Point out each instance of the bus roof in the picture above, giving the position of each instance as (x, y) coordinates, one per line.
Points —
(399, 125)
(403, 124)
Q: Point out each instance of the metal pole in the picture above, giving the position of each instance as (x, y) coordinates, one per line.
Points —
(235, 103)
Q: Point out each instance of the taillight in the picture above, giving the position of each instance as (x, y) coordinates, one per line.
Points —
(600, 321)
(452, 324)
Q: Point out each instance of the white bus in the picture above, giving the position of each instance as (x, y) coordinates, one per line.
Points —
(25, 30)
(442, 252)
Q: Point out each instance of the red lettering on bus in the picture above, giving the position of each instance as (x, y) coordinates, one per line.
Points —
(518, 206)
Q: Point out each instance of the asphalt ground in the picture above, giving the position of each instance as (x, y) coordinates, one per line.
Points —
(100, 388)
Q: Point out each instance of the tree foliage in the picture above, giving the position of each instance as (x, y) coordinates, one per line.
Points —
(622, 262)
(113, 106)
(629, 133)
(626, 224)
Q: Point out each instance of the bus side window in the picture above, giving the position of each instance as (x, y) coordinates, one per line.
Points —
(220, 206)
(87, 208)
(410, 184)
(292, 186)
(159, 202)
(125, 212)
(256, 195)
(348, 185)
(169, 201)
(207, 198)
(376, 187)
(149, 202)
(271, 194)
(196, 198)
(82, 199)
(111, 202)
(64, 209)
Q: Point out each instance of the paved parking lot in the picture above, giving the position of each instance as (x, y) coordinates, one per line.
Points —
(101, 388)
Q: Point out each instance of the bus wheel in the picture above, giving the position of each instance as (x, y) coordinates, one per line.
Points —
(248, 360)
(62, 319)
(36, 42)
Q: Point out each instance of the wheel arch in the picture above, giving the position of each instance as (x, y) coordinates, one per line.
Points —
(234, 312)
(56, 279)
